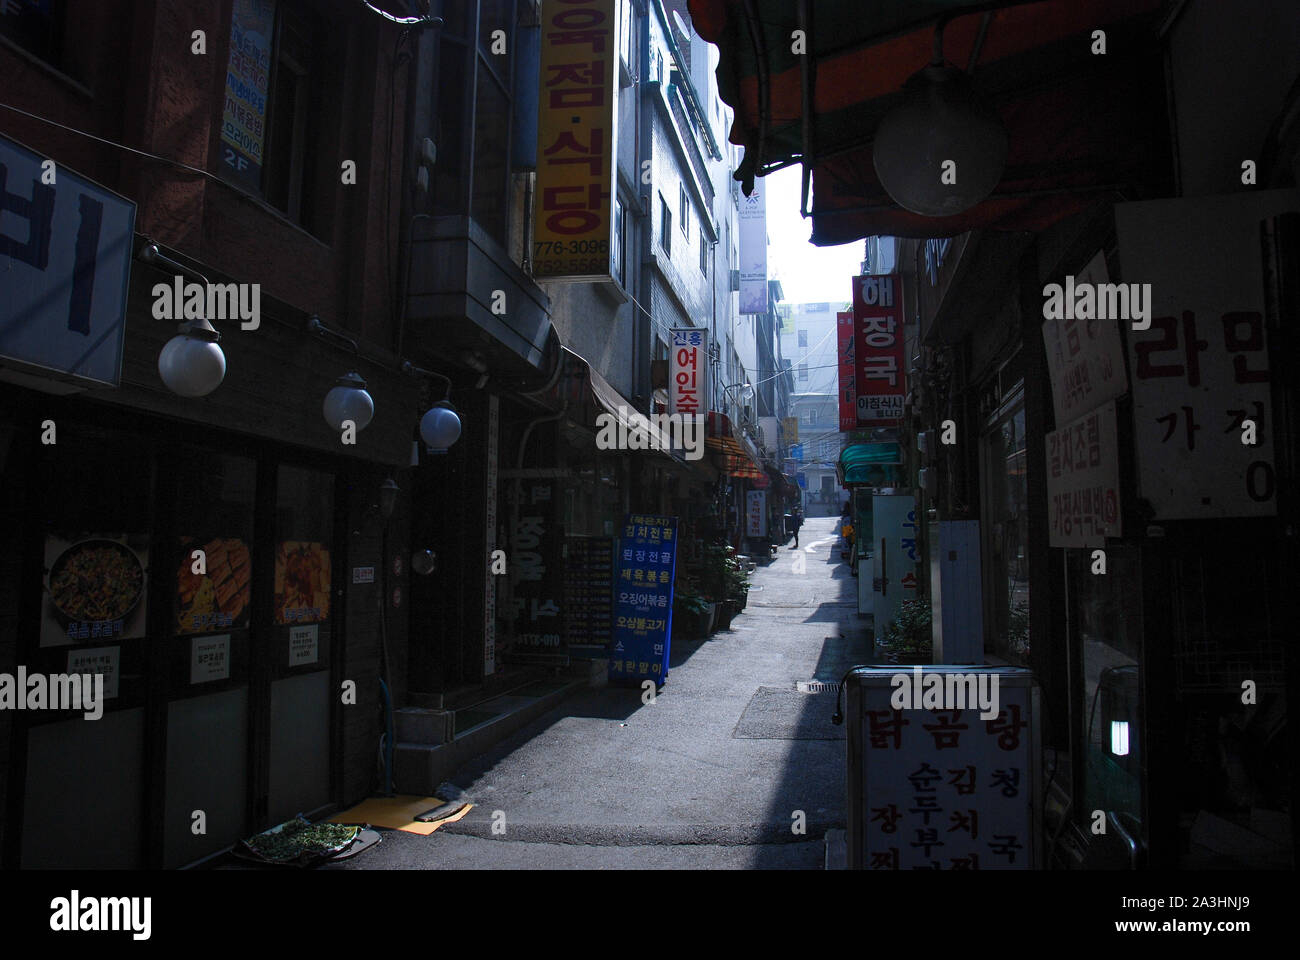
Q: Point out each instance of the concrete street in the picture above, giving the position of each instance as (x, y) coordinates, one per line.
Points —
(710, 775)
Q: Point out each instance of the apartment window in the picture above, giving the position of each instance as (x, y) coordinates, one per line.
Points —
(803, 374)
(474, 115)
(810, 417)
(625, 21)
(665, 226)
(684, 209)
(704, 254)
(38, 27)
(803, 338)
(620, 242)
(275, 95)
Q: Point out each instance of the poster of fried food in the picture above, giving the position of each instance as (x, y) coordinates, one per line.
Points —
(213, 585)
(95, 588)
(302, 582)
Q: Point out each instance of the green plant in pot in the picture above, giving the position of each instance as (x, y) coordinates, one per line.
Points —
(907, 639)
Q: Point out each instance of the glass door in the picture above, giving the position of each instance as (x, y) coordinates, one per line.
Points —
(210, 604)
(301, 634)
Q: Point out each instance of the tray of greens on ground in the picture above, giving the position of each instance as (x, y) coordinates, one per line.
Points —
(299, 841)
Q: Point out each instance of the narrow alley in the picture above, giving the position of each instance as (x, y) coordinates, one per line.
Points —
(719, 763)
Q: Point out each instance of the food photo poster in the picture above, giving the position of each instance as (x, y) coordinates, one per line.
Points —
(95, 588)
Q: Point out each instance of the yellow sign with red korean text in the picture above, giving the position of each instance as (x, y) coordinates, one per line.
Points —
(574, 204)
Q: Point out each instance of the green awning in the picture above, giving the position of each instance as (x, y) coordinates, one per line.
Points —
(870, 464)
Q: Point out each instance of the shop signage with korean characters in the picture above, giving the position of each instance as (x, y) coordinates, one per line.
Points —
(210, 657)
(536, 564)
(751, 222)
(878, 348)
(1202, 368)
(243, 121)
(98, 660)
(576, 134)
(363, 574)
(944, 789)
(848, 375)
(894, 555)
(1083, 481)
(756, 513)
(304, 645)
(689, 370)
(65, 256)
(1085, 357)
(643, 599)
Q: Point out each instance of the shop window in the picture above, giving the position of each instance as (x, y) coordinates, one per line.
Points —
(1106, 626)
(1006, 529)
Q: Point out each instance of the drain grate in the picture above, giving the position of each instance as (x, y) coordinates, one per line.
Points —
(816, 686)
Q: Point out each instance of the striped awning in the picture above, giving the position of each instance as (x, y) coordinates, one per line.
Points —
(733, 460)
(1081, 127)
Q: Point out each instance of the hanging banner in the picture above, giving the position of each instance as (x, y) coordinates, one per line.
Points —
(878, 349)
(1083, 481)
(756, 513)
(536, 565)
(752, 224)
(574, 221)
(688, 372)
(643, 608)
(790, 429)
(1201, 364)
(65, 260)
(243, 120)
(848, 378)
(1084, 355)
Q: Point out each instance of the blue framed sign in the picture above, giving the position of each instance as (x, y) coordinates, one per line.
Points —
(643, 599)
(65, 256)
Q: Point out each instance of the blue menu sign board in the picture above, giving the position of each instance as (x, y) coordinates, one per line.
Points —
(643, 599)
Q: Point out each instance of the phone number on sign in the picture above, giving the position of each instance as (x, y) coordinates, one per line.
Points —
(593, 265)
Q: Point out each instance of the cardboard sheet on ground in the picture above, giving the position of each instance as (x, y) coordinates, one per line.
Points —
(398, 813)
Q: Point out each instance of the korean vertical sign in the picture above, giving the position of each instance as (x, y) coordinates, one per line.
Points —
(689, 368)
(537, 565)
(848, 382)
(752, 222)
(643, 607)
(576, 139)
(243, 120)
(878, 348)
(1201, 368)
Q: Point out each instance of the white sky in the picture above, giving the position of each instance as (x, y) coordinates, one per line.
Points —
(808, 274)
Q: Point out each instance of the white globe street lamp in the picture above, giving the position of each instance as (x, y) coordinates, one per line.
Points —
(191, 363)
(943, 148)
(349, 400)
(440, 427)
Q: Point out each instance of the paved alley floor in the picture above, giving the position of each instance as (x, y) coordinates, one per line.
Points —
(716, 773)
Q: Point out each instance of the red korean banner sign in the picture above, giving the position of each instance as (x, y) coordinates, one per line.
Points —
(688, 371)
(878, 348)
(848, 384)
(573, 233)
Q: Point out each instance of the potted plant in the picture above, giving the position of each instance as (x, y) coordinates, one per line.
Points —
(907, 639)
